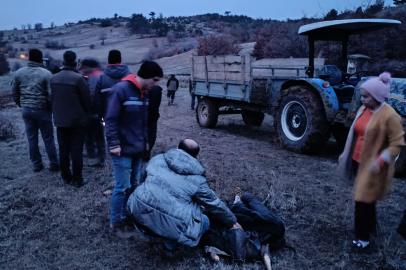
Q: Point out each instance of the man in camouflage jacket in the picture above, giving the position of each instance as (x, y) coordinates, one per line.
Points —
(32, 92)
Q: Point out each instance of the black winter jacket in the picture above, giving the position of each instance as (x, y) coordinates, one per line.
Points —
(70, 99)
(172, 84)
(261, 227)
(111, 76)
(127, 117)
(155, 97)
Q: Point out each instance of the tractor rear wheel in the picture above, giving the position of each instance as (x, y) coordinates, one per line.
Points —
(300, 120)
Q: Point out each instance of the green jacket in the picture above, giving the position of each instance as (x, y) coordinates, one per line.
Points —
(31, 86)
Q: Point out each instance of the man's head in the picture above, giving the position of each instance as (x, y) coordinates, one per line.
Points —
(114, 57)
(69, 59)
(35, 55)
(189, 146)
(149, 75)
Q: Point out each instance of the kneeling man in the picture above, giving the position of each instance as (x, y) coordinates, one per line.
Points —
(166, 208)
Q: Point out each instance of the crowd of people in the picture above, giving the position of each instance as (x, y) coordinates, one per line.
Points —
(117, 110)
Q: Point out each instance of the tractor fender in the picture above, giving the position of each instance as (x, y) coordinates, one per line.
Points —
(327, 94)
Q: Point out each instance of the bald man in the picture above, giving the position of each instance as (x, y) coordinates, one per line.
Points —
(166, 207)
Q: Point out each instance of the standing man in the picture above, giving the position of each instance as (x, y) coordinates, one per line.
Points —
(113, 73)
(127, 136)
(32, 92)
(192, 94)
(95, 143)
(71, 110)
(155, 97)
(173, 85)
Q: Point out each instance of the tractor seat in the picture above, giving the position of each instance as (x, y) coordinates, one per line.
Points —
(331, 74)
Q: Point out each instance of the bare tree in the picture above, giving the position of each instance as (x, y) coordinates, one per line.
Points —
(23, 27)
(227, 13)
(52, 25)
(103, 37)
(29, 26)
(38, 27)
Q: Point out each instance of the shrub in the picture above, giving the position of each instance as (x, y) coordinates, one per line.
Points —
(91, 46)
(216, 45)
(8, 48)
(4, 65)
(54, 44)
(155, 43)
(11, 54)
(21, 49)
(16, 66)
(171, 36)
(106, 23)
(8, 127)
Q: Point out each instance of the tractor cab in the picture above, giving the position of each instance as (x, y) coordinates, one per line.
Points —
(343, 82)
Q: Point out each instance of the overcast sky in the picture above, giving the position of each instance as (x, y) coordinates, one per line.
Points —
(14, 13)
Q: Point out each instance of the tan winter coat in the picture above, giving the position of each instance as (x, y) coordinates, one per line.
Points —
(383, 138)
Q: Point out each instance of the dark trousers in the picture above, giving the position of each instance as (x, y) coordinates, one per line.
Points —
(95, 143)
(40, 119)
(192, 104)
(365, 220)
(71, 140)
(152, 130)
(171, 94)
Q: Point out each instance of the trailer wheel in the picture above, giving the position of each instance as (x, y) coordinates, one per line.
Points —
(207, 113)
(300, 120)
(251, 118)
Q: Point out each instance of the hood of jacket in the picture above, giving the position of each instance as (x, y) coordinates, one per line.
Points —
(116, 71)
(182, 163)
(34, 64)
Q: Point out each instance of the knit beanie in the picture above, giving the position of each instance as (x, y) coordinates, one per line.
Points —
(35, 55)
(69, 58)
(114, 57)
(150, 69)
(378, 87)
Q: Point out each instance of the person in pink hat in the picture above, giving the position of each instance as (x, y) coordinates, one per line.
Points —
(374, 141)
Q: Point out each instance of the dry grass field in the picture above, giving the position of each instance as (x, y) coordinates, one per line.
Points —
(45, 224)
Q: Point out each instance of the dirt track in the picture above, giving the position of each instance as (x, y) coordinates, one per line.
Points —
(45, 224)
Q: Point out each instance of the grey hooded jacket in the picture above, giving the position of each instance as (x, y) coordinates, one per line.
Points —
(168, 202)
(31, 86)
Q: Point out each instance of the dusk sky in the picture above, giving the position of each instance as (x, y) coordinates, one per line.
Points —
(14, 13)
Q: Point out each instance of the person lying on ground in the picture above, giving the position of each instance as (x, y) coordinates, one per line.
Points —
(166, 208)
(264, 230)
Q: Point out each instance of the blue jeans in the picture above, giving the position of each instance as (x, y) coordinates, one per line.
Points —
(192, 105)
(127, 176)
(170, 244)
(41, 119)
